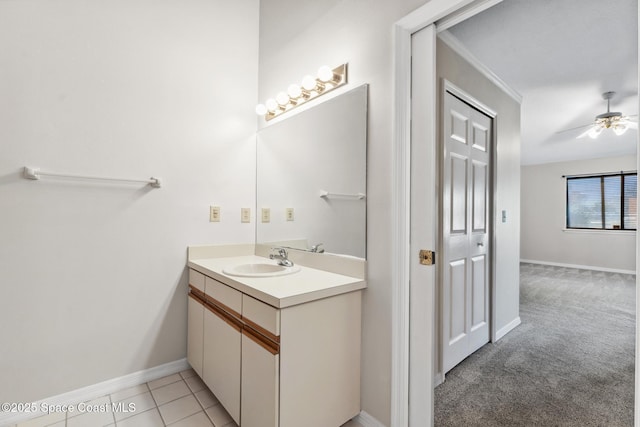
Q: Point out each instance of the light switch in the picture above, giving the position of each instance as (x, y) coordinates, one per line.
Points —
(266, 215)
(245, 215)
(214, 213)
(504, 216)
(289, 214)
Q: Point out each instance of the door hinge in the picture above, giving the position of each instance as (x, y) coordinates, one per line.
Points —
(427, 257)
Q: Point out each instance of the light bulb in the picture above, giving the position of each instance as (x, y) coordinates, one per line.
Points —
(325, 73)
(309, 83)
(294, 91)
(282, 98)
(272, 105)
(620, 129)
(261, 110)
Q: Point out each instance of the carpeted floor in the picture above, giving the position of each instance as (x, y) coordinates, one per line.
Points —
(570, 362)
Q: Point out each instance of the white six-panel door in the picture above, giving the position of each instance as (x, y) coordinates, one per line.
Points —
(465, 218)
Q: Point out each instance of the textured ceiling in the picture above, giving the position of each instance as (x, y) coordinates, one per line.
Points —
(561, 55)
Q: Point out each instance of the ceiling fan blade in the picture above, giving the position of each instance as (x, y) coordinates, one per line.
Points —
(586, 132)
(575, 128)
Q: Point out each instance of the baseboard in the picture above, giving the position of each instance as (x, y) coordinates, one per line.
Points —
(581, 267)
(366, 420)
(507, 328)
(438, 378)
(100, 389)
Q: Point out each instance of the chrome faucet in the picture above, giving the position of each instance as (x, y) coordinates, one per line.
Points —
(317, 248)
(282, 256)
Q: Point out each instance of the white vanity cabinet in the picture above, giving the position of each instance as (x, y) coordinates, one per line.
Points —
(285, 366)
(260, 383)
(222, 359)
(195, 321)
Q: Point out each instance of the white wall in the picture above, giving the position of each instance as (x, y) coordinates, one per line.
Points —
(456, 70)
(92, 274)
(543, 219)
(296, 37)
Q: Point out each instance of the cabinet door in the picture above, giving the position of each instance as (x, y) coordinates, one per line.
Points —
(260, 381)
(222, 357)
(195, 333)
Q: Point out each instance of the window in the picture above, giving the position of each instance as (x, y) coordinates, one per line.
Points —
(603, 202)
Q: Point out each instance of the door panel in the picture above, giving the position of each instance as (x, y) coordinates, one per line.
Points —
(480, 137)
(479, 196)
(458, 127)
(260, 386)
(465, 216)
(458, 293)
(458, 194)
(222, 357)
(195, 335)
(478, 312)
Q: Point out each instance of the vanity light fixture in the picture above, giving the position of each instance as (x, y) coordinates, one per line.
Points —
(326, 80)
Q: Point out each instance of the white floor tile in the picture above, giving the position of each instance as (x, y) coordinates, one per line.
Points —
(150, 418)
(89, 407)
(195, 383)
(164, 381)
(219, 416)
(134, 405)
(91, 419)
(188, 373)
(199, 419)
(170, 392)
(44, 420)
(129, 392)
(179, 409)
(206, 398)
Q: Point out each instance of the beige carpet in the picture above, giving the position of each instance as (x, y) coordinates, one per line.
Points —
(570, 362)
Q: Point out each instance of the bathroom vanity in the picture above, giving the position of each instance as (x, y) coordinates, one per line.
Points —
(277, 349)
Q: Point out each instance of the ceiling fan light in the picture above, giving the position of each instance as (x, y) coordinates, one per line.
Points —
(620, 129)
(594, 132)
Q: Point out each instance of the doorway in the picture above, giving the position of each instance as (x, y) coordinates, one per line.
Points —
(411, 345)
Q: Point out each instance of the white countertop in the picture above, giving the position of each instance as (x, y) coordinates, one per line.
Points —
(308, 284)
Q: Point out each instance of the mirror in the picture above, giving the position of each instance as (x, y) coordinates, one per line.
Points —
(322, 149)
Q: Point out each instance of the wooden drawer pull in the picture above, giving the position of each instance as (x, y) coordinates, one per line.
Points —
(230, 320)
(196, 295)
(262, 341)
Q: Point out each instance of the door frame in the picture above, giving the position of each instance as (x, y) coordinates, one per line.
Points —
(417, 343)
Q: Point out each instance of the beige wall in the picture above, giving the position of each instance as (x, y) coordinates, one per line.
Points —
(456, 70)
(92, 274)
(543, 219)
(296, 37)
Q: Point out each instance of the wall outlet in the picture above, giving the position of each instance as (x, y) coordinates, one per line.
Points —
(266, 215)
(245, 215)
(289, 214)
(214, 213)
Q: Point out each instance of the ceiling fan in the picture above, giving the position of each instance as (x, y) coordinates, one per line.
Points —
(613, 120)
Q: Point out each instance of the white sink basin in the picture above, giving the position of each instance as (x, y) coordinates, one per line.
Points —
(259, 269)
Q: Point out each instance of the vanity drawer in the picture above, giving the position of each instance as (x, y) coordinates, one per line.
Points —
(224, 296)
(196, 280)
(261, 317)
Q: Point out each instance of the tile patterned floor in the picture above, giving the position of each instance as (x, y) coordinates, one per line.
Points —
(178, 400)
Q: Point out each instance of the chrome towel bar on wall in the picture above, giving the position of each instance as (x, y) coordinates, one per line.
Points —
(327, 195)
(35, 173)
